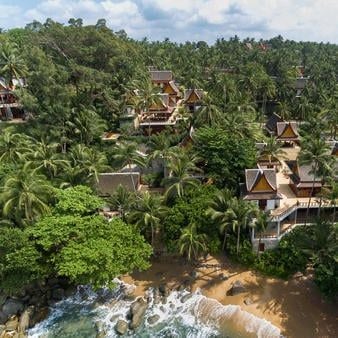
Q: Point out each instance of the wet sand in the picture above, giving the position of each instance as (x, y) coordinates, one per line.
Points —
(295, 306)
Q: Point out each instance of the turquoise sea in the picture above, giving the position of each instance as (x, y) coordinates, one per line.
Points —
(90, 314)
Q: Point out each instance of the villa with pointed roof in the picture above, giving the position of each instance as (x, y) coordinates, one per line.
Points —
(193, 99)
(301, 179)
(161, 77)
(10, 108)
(287, 132)
(261, 186)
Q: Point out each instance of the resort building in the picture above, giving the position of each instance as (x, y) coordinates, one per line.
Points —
(193, 99)
(161, 78)
(10, 108)
(159, 116)
(261, 187)
(287, 132)
(271, 123)
(301, 180)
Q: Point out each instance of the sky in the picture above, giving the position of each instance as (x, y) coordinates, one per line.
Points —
(194, 20)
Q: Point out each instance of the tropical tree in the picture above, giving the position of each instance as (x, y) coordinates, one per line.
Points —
(239, 215)
(11, 63)
(273, 150)
(191, 243)
(316, 153)
(208, 114)
(44, 156)
(147, 213)
(121, 200)
(126, 154)
(260, 225)
(218, 211)
(181, 170)
(13, 146)
(25, 195)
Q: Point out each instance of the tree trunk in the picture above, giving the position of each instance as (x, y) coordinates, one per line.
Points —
(131, 176)
(312, 190)
(334, 213)
(224, 240)
(238, 236)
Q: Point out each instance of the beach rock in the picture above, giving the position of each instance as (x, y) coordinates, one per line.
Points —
(222, 276)
(236, 288)
(194, 274)
(248, 301)
(113, 318)
(298, 275)
(121, 327)
(58, 294)
(12, 307)
(2, 299)
(153, 319)
(38, 315)
(186, 297)
(164, 290)
(157, 296)
(24, 320)
(12, 324)
(3, 318)
(137, 310)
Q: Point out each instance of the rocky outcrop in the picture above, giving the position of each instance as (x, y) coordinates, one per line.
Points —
(153, 319)
(186, 297)
(137, 311)
(12, 307)
(121, 327)
(236, 288)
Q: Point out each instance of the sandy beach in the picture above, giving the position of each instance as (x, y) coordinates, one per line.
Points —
(295, 306)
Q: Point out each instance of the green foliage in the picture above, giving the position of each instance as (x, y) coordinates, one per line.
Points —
(225, 156)
(73, 242)
(77, 201)
(89, 249)
(187, 210)
(19, 259)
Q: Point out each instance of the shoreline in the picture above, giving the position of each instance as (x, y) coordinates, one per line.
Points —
(295, 306)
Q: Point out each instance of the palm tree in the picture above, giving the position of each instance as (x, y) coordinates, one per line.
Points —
(315, 152)
(218, 211)
(126, 155)
(86, 124)
(181, 168)
(239, 215)
(148, 212)
(191, 243)
(121, 200)
(208, 113)
(25, 195)
(330, 193)
(83, 166)
(11, 64)
(284, 110)
(260, 225)
(44, 156)
(147, 95)
(13, 146)
(273, 150)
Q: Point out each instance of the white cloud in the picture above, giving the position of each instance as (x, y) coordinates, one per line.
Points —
(192, 19)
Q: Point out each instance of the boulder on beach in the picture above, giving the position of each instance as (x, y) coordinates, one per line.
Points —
(12, 324)
(137, 311)
(25, 319)
(121, 327)
(236, 288)
(186, 297)
(153, 319)
(12, 307)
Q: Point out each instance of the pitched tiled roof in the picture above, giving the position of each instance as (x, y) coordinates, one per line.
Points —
(302, 175)
(161, 75)
(174, 87)
(188, 92)
(252, 176)
(271, 123)
(108, 182)
(281, 126)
